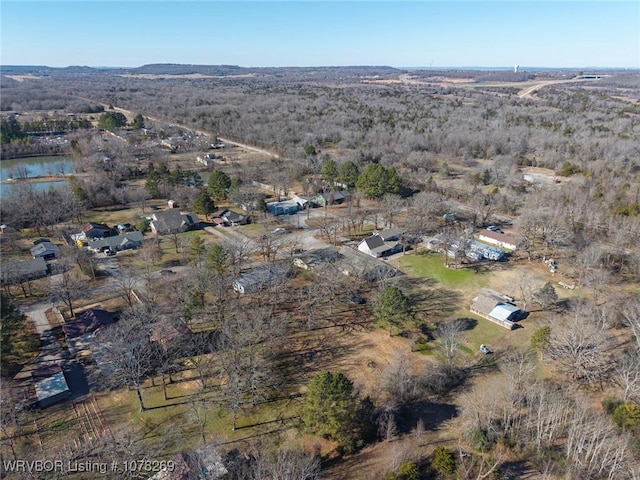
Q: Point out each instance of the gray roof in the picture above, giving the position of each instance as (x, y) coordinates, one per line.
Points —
(172, 220)
(43, 249)
(374, 241)
(231, 216)
(317, 256)
(124, 240)
(390, 234)
(259, 278)
(22, 271)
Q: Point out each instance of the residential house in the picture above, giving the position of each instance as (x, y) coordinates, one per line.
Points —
(497, 308)
(45, 250)
(329, 198)
(502, 240)
(285, 207)
(461, 247)
(260, 278)
(125, 241)
(390, 234)
(172, 221)
(376, 246)
(233, 218)
(52, 389)
(87, 321)
(312, 258)
(302, 202)
(94, 230)
(355, 263)
(19, 272)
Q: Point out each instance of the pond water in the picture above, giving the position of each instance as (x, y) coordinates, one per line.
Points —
(34, 167)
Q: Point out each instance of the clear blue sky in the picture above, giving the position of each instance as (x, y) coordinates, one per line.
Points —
(308, 33)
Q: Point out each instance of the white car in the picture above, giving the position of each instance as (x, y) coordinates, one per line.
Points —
(280, 231)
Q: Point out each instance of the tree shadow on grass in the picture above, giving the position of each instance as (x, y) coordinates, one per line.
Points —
(435, 302)
(432, 415)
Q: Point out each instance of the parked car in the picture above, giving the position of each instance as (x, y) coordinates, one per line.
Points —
(167, 273)
(484, 349)
(280, 231)
(109, 253)
(493, 228)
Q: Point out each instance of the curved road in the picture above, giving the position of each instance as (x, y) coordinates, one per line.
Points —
(130, 114)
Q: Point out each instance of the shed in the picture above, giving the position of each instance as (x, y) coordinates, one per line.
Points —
(52, 390)
(46, 250)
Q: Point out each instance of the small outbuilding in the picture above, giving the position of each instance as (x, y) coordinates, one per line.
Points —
(52, 390)
(45, 250)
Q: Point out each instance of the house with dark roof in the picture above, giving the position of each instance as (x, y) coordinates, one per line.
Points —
(390, 234)
(124, 241)
(87, 321)
(19, 272)
(376, 246)
(172, 221)
(45, 250)
(233, 218)
(94, 230)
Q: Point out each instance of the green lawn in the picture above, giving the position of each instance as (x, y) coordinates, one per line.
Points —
(432, 266)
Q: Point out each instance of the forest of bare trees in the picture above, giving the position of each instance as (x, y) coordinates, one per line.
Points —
(411, 152)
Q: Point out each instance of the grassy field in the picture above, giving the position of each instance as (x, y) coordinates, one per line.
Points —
(432, 266)
(466, 282)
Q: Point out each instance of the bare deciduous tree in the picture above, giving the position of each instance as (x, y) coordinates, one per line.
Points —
(129, 355)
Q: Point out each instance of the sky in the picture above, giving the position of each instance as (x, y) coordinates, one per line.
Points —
(121, 33)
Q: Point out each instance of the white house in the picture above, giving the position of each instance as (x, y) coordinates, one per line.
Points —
(502, 240)
(377, 247)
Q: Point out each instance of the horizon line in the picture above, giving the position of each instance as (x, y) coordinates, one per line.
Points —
(421, 67)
